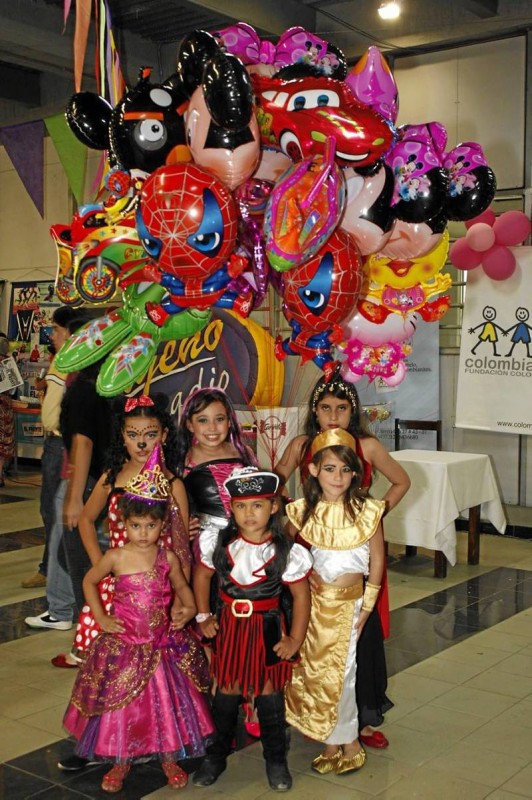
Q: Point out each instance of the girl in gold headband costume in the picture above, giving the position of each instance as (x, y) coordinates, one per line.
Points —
(344, 531)
(335, 404)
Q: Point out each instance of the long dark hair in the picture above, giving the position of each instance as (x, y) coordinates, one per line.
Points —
(353, 498)
(281, 542)
(117, 453)
(197, 402)
(342, 390)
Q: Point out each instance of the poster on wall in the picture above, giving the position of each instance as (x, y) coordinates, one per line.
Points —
(495, 371)
(416, 397)
(30, 318)
(29, 331)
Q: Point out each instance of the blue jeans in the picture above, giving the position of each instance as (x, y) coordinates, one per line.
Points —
(64, 590)
(58, 584)
(51, 461)
(78, 562)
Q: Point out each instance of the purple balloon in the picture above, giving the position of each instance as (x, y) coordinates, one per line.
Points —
(373, 84)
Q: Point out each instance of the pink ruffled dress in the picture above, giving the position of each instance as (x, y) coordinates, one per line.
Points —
(173, 537)
(138, 694)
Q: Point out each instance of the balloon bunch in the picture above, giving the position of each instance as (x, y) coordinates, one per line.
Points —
(487, 243)
(387, 192)
(166, 234)
(262, 163)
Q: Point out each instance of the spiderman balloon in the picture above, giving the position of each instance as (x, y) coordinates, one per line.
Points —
(318, 296)
(187, 222)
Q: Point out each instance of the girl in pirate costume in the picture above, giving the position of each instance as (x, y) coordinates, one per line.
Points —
(252, 559)
(134, 697)
(344, 532)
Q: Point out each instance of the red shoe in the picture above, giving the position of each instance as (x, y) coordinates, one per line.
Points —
(114, 779)
(61, 662)
(177, 777)
(251, 725)
(375, 739)
(253, 729)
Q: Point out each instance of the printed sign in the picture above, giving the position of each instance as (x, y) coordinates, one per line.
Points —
(10, 376)
(495, 372)
(230, 353)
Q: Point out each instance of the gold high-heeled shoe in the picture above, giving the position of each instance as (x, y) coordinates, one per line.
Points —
(351, 763)
(324, 764)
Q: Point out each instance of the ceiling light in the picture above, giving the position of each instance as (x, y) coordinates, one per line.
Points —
(389, 10)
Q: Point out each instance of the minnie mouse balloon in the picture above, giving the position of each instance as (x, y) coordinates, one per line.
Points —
(414, 239)
(472, 183)
(420, 182)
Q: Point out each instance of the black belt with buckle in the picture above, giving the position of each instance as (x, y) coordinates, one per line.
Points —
(243, 607)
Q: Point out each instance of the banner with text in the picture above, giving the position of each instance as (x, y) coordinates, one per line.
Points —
(495, 372)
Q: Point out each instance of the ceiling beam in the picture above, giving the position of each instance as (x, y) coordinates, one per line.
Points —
(482, 8)
(274, 17)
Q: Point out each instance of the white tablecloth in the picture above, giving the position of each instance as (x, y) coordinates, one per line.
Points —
(443, 485)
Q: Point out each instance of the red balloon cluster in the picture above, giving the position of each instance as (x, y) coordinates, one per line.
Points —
(487, 243)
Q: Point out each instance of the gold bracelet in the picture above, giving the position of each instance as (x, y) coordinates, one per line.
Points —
(369, 598)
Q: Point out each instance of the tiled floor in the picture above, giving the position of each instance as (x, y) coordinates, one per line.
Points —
(459, 659)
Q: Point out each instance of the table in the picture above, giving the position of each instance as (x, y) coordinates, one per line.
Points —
(443, 485)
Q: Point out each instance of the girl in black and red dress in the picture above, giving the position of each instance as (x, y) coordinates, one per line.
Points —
(252, 559)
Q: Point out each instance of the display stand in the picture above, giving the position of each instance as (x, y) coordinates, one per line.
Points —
(29, 431)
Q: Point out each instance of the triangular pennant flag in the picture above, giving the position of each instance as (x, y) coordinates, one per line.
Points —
(72, 153)
(24, 146)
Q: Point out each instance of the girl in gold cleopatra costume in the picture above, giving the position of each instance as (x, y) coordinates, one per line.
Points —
(344, 531)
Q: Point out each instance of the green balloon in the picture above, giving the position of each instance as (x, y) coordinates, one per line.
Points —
(129, 339)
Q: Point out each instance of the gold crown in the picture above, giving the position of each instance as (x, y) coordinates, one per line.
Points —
(150, 484)
(330, 438)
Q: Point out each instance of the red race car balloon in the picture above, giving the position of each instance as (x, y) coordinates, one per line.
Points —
(300, 115)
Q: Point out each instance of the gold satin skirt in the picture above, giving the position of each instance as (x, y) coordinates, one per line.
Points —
(313, 695)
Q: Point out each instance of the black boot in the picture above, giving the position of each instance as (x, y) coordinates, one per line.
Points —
(272, 723)
(224, 714)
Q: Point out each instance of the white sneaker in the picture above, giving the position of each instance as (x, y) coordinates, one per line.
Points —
(46, 620)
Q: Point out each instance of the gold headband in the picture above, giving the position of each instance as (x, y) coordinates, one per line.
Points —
(335, 385)
(330, 438)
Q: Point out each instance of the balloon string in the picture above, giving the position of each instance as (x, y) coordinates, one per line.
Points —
(271, 448)
(325, 171)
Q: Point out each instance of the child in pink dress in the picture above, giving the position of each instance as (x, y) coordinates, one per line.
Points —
(135, 697)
